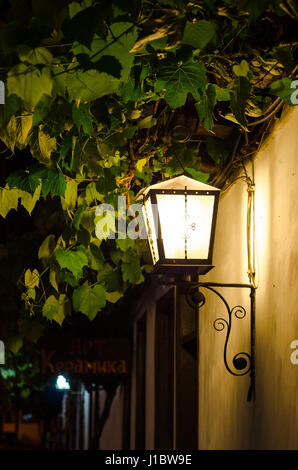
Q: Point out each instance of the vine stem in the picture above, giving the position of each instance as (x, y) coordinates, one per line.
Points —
(234, 37)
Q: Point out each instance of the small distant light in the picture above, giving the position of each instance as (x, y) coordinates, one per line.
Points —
(27, 418)
(62, 383)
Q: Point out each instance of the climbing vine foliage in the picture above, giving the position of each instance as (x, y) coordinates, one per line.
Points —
(91, 89)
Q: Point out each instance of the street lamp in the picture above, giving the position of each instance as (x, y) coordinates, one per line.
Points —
(180, 218)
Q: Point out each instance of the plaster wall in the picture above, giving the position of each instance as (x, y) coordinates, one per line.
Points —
(111, 438)
(226, 419)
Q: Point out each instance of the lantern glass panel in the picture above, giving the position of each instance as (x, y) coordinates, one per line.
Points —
(171, 209)
(150, 228)
(186, 223)
(199, 225)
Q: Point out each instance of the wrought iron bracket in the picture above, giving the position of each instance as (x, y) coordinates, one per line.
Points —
(243, 362)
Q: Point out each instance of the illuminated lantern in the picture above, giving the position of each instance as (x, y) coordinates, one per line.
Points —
(180, 217)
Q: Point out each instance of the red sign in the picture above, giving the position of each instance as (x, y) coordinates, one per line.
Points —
(103, 357)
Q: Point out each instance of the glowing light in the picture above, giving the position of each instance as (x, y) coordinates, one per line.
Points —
(191, 230)
(62, 383)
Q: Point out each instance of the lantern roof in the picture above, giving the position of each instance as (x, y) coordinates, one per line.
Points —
(180, 182)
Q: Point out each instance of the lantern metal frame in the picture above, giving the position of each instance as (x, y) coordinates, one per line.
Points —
(202, 265)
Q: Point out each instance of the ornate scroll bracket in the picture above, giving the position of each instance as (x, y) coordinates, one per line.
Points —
(243, 362)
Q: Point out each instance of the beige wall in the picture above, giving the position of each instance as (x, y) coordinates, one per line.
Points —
(226, 419)
(112, 433)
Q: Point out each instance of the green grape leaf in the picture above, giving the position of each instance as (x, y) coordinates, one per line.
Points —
(54, 276)
(242, 69)
(71, 194)
(17, 131)
(29, 83)
(88, 219)
(96, 257)
(47, 247)
(116, 256)
(239, 96)
(50, 307)
(66, 276)
(36, 174)
(130, 267)
(9, 199)
(39, 55)
(222, 94)
(47, 144)
(12, 105)
(91, 84)
(84, 22)
(113, 297)
(125, 243)
(14, 344)
(254, 7)
(118, 49)
(180, 80)
(42, 109)
(285, 57)
(206, 105)
(110, 278)
(78, 215)
(28, 200)
(64, 309)
(217, 149)
(147, 122)
(82, 118)
(72, 260)
(198, 34)
(55, 183)
(107, 64)
(89, 300)
(107, 183)
(19, 179)
(198, 175)
(282, 88)
(31, 278)
(130, 91)
(140, 164)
